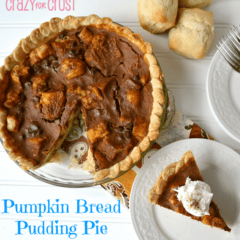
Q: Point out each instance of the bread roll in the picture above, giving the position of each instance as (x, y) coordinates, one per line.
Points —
(193, 33)
(194, 3)
(156, 16)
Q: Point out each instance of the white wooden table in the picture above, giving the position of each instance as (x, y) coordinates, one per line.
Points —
(185, 78)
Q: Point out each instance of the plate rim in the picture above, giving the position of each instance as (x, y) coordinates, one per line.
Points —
(148, 164)
(209, 98)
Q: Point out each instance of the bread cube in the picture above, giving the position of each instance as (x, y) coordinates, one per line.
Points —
(18, 72)
(40, 53)
(134, 96)
(40, 84)
(90, 97)
(73, 67)
(109, 149)
(86, 36)
(140, 128)
(98, 132)
(13, 98)
(13, 123)
(36, 143)
(52, 104)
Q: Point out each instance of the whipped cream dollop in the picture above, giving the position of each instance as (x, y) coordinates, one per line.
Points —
(195, 196)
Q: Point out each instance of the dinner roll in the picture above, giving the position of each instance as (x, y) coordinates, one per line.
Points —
(156, 16)
(194, 3)
(193, 33)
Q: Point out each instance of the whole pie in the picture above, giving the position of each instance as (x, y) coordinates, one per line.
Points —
(89, 65)
(174, 176)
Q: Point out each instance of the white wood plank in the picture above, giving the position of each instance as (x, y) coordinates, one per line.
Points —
(184, 71)
(194, 102)
(124, 10)
(14, 35)
(159, 42)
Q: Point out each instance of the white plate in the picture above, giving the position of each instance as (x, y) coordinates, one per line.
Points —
(223, 88)
(220, 168)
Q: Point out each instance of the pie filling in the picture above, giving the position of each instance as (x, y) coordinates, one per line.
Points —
(91, 70)
(169, 197)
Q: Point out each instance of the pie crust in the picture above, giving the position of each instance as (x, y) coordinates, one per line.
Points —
(47, 32)
(168, 176)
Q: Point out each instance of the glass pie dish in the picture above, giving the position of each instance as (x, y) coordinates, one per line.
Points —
(61, 171)
(85, 67)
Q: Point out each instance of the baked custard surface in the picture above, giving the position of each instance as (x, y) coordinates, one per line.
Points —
(84, 64)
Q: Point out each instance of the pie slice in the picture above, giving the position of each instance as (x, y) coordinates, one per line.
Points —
(174, 176)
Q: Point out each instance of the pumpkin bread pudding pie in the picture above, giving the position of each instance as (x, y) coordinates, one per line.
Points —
(89, 65)
(181, 188)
